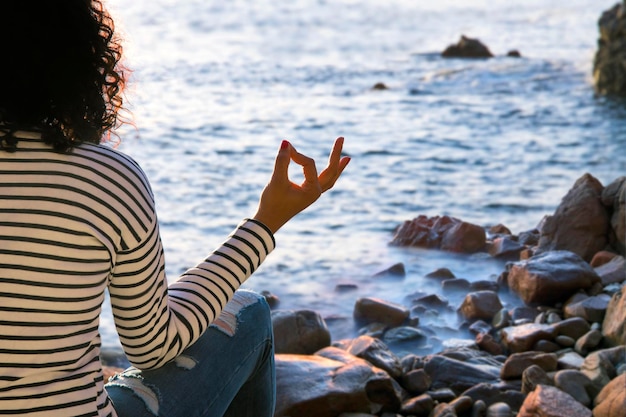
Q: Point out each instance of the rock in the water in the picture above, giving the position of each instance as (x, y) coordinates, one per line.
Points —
(467, 48)
(370, 310)
(608, 66)
(375, 352)
(480, 305)
(580, 223)
(457, 375)
(300, 332)
(550, 277)
(313, 386)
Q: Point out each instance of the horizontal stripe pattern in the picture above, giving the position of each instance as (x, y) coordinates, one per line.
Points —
(71, 226)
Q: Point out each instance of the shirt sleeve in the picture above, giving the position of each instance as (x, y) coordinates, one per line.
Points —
(156, 322)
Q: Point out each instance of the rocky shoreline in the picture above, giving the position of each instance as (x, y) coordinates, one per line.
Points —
(560, 352)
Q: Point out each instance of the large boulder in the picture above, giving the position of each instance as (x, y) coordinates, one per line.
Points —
(550, 277)
(314, 386)
(580, 223)
(300, 332)
(614, 197)
(614, 324)
(374, 310)
(441, 232)
(610, 60)
(611, 401)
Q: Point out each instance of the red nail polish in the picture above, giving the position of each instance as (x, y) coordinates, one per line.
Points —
(284, 145)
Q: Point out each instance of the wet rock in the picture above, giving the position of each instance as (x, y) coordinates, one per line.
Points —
(314, 386)
(614, 196)
(369, 310)
(570, 360)
(515, 364)
(499, 229)
(613, 271)
(523, 338)
(499, 410)
(506, 248)
(602, 258)
(479, 409)
(534, 376)
(480, 305)
(608, 65)
(443, 410)
(565, 341)
(416, 381)
(514, 53)
(418, 406)
(404, 335)
(457, 375)
(592, 309)
(441, 273)
(345, 287)
(433, 301)
(301, 332)
(546, 346)
(467, 48)
(487, 343)
(548, 401)
(462, 404)
(479, 326)
(272, 299)
(394, 271)
(446, 233)
(375, 352)
(580, 223)
(484, 285)
(611, 401)
(614, 324)
(495, 393)
(550, 277)
(380, 86)
(601, 366)
(501, 319)
(442, 395)
(575, 383)
(574, 327)
(588, 342)
(455, 284)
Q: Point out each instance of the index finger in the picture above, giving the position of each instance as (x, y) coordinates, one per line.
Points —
(308, 166)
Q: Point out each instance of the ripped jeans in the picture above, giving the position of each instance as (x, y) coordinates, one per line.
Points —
(228, 372)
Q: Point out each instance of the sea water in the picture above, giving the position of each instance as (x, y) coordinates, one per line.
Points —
(216, 86)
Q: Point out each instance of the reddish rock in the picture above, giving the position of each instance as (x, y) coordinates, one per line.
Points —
(580, 223)
(467, 48)
(548, 401)
(611, 401)
(516, 363)
(506, 248)
(446, 233)
(601, 258)
(464, 238)
(375, 352)
(614, 324)
(522, 338)
(313, 386)
(550, 277)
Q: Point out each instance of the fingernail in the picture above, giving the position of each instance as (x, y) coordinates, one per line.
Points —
(284, 145)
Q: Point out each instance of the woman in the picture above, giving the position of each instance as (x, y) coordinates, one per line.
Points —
(77, 218)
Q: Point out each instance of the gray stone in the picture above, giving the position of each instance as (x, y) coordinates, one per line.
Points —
(534, 376)
(613, 271)
(456, 375)
(591, 309)
(416, 381)
(614, 196)
(299, 332)
(499, 410)
(570, 360)
(600, 366)
(575, 383)
(565, 341)
(574, 327)
(588, 342)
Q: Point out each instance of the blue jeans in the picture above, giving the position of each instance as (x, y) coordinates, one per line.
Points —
(228, 372)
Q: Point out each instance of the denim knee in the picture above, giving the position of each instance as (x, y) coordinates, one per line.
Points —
(246, 307)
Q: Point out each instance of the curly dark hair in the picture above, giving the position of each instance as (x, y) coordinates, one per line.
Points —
(60, 72)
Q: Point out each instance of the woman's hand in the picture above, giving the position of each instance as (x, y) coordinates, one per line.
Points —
(282, 199)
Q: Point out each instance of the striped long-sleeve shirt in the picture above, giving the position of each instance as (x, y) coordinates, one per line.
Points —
(72, 225)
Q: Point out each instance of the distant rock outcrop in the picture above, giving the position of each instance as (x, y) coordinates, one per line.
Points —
(467, 48)
(609, 66)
